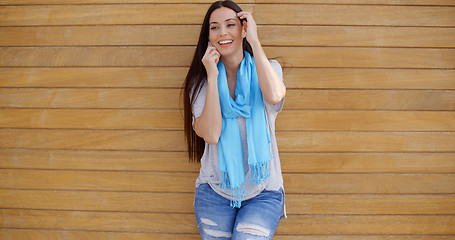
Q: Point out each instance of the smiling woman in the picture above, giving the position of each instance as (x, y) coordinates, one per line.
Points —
(231, 100)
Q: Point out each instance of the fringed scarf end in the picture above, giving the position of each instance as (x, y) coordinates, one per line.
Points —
(224, 180)
(238, 194)
(259, 172)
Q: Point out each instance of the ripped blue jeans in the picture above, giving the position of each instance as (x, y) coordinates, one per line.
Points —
(257, 218)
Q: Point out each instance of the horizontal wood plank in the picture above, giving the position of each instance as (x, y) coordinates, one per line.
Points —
(92, 119)
(91, 98)
(184, 182)
(336, 36)
(410, 100)
(98, 201)
(151, 140)
(370, 204)
(96, 56)
(369, 78)
(344, 57)
(102, 14)
(142, 140)
(178, 161)
(99, 221)
(185, 223)
(123, 77)
(368, 162)
(313, 14)
(365, 121)
(366, 142)
(361, 2)
(172, 77)
(98, 180)
(339, 57)
(13, 234)
(353, 15)
(97, 160)
(370, 183)
(172, 35)
(370, 100)
(372, 225)
(183, 202)
(173, 120)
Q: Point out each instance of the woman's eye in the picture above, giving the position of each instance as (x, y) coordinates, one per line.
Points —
(213, 28)
(231, 24)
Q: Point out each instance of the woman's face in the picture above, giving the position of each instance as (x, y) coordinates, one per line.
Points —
(226, 32)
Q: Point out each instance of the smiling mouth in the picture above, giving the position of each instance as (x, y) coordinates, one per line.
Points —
(225, 42)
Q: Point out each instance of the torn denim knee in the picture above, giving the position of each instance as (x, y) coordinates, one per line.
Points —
(253, 229)
(207, 228)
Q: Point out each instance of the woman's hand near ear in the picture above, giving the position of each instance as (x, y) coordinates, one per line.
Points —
(250, 27)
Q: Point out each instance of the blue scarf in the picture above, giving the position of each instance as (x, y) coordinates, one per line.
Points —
(249, 104)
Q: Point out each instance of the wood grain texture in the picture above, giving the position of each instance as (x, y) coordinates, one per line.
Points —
(370, 183)
(185, 223)
(130, 35)
(366, 141)
(177, 161)
(91, 141)
(361, 2)
(13, 234)
(92, 119)
(369, 78)
(297, 120)
(158, 140)
(368, 162)
(321, 57)
(138, 140)
(370, 100)
(182, 202)
(91, 98)
(97, 160)
(371, 225)
(113, 98)
(353, 15)
(172, 77)
(313, 14)
(184, 182)
(10, 234)
(365, 121)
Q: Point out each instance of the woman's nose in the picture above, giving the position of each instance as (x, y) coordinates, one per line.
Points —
(223, 31)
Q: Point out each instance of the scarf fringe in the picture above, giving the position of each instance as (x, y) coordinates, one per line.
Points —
(259, 172)
(238, 193)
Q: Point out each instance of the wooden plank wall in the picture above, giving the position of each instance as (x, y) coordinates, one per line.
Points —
(91, 141)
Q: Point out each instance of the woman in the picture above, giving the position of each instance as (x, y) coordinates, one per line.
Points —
(231, 100)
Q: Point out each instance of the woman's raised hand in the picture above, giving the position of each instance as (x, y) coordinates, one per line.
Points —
(250, 27)
(210, 61)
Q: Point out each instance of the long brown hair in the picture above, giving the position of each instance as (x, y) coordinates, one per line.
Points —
(195, 78)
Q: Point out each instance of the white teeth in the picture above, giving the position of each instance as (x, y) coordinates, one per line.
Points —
(225, 42)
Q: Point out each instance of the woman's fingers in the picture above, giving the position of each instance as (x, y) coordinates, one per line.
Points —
(211, 56)
(250, 26)
(245, 15)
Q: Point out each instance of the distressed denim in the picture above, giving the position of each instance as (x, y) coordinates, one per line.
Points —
(257, 218)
